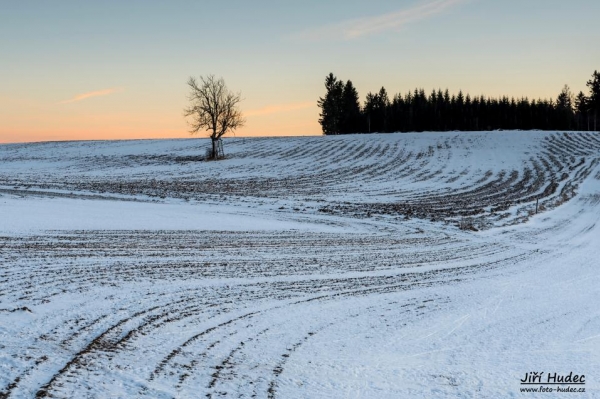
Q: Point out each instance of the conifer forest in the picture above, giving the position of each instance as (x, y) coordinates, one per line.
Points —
(417, 111)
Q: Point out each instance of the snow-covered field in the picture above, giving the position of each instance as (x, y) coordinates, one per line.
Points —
(360, 266)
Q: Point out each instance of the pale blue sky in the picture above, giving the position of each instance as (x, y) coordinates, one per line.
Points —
(132, 58)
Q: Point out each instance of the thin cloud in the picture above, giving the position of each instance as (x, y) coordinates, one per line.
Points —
(355, 28)
(274, 109)
(97, 93)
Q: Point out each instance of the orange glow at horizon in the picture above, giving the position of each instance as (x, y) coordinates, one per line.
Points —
(272, 109)
(297, 119)
(130, 115)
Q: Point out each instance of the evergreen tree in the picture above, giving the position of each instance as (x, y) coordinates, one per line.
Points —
(331, 105)
(564, 108)
(467, 114)
(383, 105)
(368, 110)
(525, 114)
(458, 111)
(409, 112)
(420, 110)
(376, 111)
(351, 121)
(396, 114)
(432, 111)
(594, 98)
(581, 109)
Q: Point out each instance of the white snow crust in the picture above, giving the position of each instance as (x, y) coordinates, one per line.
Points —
(359, 266)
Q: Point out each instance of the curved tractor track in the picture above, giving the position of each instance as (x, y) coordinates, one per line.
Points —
(195, 322)
(162, 314)
(363, 176)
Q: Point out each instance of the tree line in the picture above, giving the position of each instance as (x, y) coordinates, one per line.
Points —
(416, 111)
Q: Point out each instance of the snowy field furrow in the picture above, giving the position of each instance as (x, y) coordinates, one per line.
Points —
(427, 265)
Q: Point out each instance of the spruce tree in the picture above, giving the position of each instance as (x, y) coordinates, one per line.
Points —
(351, 121)
(581, 109)
(396, 115)
(331, 105)
(368, 110)
(383, 105)
(459, 111)
(594, 98)
(564, 108)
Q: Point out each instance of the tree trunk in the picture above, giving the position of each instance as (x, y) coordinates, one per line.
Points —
(214, 149)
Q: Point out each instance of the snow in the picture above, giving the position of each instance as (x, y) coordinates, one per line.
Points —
(323, 267)
(34, 214)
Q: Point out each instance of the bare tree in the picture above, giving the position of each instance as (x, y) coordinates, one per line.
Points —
(213, 108)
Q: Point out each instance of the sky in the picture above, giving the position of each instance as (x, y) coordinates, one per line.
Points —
(74, 70)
